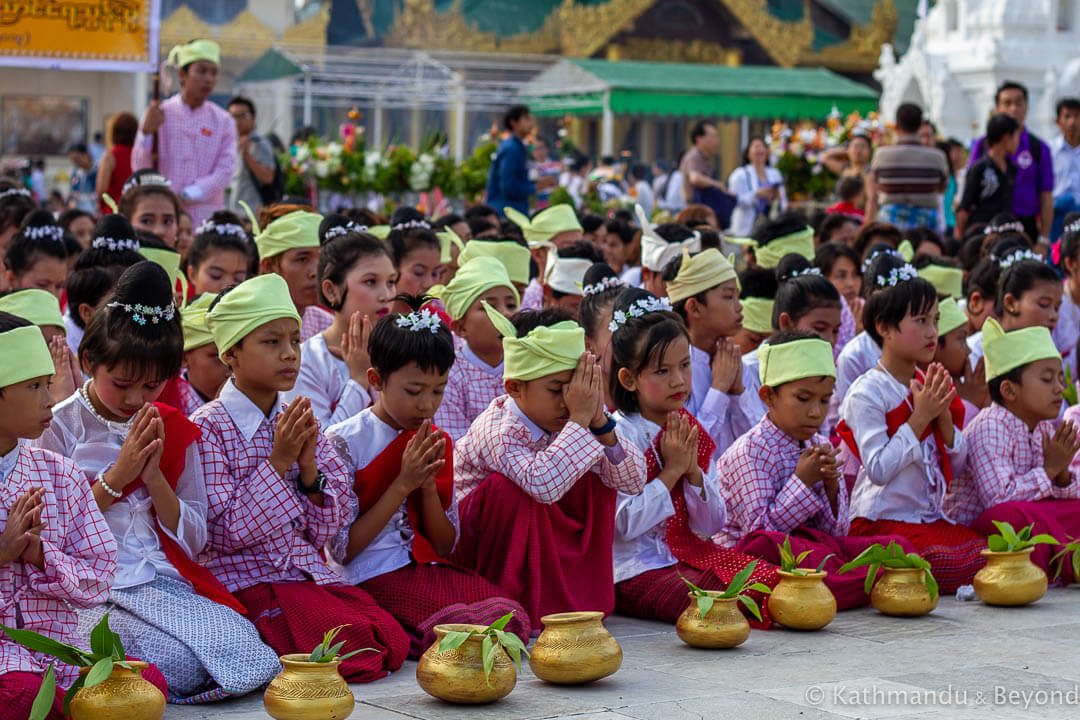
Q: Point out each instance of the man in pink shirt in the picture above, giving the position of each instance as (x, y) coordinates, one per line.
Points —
(196, 138)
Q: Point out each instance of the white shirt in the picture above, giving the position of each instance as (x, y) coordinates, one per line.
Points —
(756, 409)
(640, 520)
(858, 356)
(673, 200)
(74, 332)
(324, 379)
(900, 477)
(358, 441)
(974, 342)
(1066, 168)
(726, 417)
(1067, 330)
(76, 432)
(632, 276)
(744, 183)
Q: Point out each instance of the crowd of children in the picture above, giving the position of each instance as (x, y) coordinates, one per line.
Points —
(297, 422)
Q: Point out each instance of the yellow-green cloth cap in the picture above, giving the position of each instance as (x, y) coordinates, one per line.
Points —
(514, 257)
(757, 314)
(946, 280)
(1005, 351)
(194, 51)
(544, 351)
(770, 255)
(193, 320)
(298, 229)
(566, 275)
(447, 239)
(252, 303)
(472, 280)
(24, 354)
(699, 273)
(906, 250)
(795, 360)
(950, 316)
(36, 306)
(169, 261)
(546, 225)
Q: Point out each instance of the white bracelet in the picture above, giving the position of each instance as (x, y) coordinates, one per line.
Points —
(113, 493)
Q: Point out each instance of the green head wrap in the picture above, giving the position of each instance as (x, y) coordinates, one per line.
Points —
(250, 304)
(194, 51)
(514, 257)
(795, 360)
(946, 280)
(546, 225)
(24, 355)
(193, 320)
(1005, 351)
(769, 255)
(544, 351)
(472, 280)
(37, 306)
(298, 229)
(757, 314)
(951, 316)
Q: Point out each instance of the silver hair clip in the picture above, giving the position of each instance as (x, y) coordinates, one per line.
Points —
(807, 271)
(1015, 257)
(50, 232)
(114, 244)
(418, 321)
(339, 230)
(140, 313)
(146, 180)
(605, 284)
(10, 192)
(411, 224)
(1074, 226)
(1006, 227)
(221, 229)
(638, 308)
(870, 259)
(897, 276)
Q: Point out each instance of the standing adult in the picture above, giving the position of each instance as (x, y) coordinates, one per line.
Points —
(508, 180)
(907, 179)
(852, 160)
(1033, 196)
(1066, 149)
(115, 166)
(757, 186)
(83, 179)
(698, 164)
(544, 166)
(196, 138)
(255, 157)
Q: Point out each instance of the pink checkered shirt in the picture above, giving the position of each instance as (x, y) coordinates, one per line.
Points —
(190, 401)
(503, 440)
(80, 558)
(314, 320)
(1005, 464)
(470, 388)
(847, 328)
(261, 528)
(757, 476)
(196, 152)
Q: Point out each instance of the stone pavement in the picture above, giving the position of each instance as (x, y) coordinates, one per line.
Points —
(964, 661)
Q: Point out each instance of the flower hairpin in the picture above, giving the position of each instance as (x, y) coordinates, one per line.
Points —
(605, 284)
(1017, 256)
(870, 258)
(221, 229)
(419, 321)
(146, 179)
(411, 224)
(1006, 227)
(141, 313)
(807, 271)
(638, 308)
(1074, 226)
(339, 230)
(51, 232)
(897, 276)
(10, 192)
(114, 244)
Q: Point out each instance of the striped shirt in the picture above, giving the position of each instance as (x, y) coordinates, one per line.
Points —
(909, 173)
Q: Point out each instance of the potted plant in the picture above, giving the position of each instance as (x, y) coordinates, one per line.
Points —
(575, 648)
(801, 600)
(713, 620)
(906, 588)
(108, 685)
(310, 685)
(471, 663)
(1009, 577)
(1070, 550)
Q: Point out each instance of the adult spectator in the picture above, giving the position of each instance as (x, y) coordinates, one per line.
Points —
(1033, 196)
(757, 187)
(255, 165)
(642, 188)
(669, 196)
(907, 179)
(508, 182)
(991, 180)
(851, 160)
(698, 166)
(196, 138)
(115, 166)
(97, 147)
(543, 165)
(83, 178)
(1066, 150)
(928, 133)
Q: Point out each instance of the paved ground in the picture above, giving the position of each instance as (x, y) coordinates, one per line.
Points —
(965, 661)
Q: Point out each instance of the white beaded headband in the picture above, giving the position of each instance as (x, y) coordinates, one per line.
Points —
(116, 244)
(419, 321)
(140, 313)
(221, 229)
(410, 224)
(1005, 227)
(870, 258)
(605, 284)
(10, 192)
(51, 232)
(807, 271)
(339, 230)
(897, 276)
(147, 180)
(638, 308)
(1015, 257)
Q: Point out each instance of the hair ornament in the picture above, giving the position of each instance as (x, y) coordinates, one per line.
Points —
(145, 180)
(638, 308)
(870, 258)
(606, 284)
(1004, 227)
(221, 229)
(339, 230)
(51, 232)
(896, 276)
(807, 271)
(1074, 226)
(14, 191)
(412, 224)
(114, 244)
(420, 321)
(1016, 256)
(140, 313)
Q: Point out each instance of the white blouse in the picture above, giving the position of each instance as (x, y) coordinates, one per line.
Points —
(743, 183)
(725, 416)
(640, 520)
(94, 445)
(324, 379)
(858, 356)
(1067, 330)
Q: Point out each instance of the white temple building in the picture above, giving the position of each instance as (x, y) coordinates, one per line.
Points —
(962, 50)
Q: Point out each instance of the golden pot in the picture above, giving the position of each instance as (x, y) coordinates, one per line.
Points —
(1010, 578)
(124, 694)
(722, 627)
(457, 676)
(802, 602)
(901, 592)
(574, 648)
(306, 690)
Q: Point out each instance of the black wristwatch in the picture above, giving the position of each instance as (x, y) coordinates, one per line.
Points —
(605, 428)
(316, 488)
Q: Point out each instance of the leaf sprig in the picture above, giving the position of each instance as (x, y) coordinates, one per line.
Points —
(494, 636)
(1010, 540)
(735, 589)
(106, 651)
(326, 652)
(876, 556)
(789, 562)
(1072, 550)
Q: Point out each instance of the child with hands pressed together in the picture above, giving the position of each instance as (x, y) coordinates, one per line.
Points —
(538, 471)
(277, 492)
(288, 245)
(56, 551)
(203, 373)
(43, 310)
(404, 510)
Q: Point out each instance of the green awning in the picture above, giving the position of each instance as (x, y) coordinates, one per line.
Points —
(579, 87)
(272, 65)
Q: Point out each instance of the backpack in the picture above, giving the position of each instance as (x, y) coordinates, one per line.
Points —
(272, 191)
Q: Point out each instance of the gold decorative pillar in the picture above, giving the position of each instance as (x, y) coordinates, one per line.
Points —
(647, 140)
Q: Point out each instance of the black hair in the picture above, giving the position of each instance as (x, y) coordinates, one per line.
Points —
(210, 240)
(699, 130)
(1070, 240)
(746, 150)
(799, 295)
(757, 282)
(1010, 85)
(14, 206)
(1069, 103)
(241, 100)
(339, 256)
(332, 221)
(363, 216)
(478, 226)
(1020, 277)
(40, 237)
(594, 304)
(525, 321)
(827, 254)
(624, 216)
(9, 322)
(392, 347)
(125, 127)
(590, 222)
(137, 192)
(788, 222)
(709, 238)
(621, 230)
(786, 336)
(581, 250)
(124, 337)
(848, 188)
(674, 232)
(87, 286)
(71, 215)
(919, 235)
(1013, 376)
(480, 210)
(446, 221)
(790, 266)
(875, 232)
(509, 227)
(889, 305)
(639, 342)
(833, 222)
(998, 127)
(407, 239)
(513, 114)
(909, 118)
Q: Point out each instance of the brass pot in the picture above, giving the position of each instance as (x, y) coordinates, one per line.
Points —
(306, 690)
(722, 627)
(802, 602)
(1010, 578)
(902, 592)
(124, 694)
(457, 676)
(574, 648)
